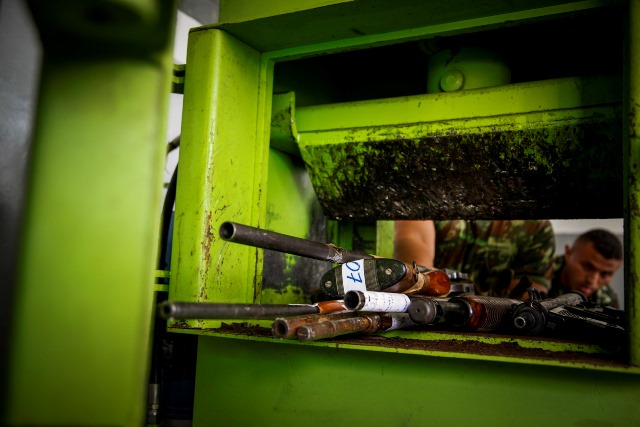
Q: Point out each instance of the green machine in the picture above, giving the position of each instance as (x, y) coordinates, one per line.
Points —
(324, 120)
(369, 111)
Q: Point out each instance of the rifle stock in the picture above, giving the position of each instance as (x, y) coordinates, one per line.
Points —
(384, 275)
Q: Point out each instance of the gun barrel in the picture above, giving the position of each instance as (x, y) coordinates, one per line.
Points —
(287, 327)
(210, 310)
(427, 311)
(487, 313)
(364, 323)
(383, 302)
(253, 236)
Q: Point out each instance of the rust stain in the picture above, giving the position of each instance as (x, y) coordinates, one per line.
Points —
(207, 240)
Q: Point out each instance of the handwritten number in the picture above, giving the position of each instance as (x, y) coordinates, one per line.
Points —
(355, 279)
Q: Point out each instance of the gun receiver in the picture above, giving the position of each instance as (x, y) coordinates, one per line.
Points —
(535, 315)
(384, 274)
(253, 236)
(471, 312)
(211, 310)
(571, 315)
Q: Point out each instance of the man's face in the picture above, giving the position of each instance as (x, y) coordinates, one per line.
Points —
(586, 270)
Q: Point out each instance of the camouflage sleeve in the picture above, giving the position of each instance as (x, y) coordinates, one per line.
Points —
(536, 250)
(606, 297)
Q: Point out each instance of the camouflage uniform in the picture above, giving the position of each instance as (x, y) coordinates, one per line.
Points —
(604, 296)
(486, 250)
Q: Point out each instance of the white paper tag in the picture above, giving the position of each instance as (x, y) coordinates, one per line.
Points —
(353, 276)
(386, 302)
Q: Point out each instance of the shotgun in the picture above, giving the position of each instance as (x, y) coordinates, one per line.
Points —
(357, 270)
(366, 323)
(287, 327)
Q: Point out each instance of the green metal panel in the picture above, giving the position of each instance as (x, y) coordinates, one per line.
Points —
(482, 153)
(222, 171)
(246, 379)
(292, 209)
(293, 385)
(296, 26)
(84, 294)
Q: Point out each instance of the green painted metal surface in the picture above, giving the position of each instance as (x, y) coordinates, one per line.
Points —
(292, 385)
(292, 209)
(395, 378)
(222, 171)
(84, 293)
(483, 153)
(285, 25)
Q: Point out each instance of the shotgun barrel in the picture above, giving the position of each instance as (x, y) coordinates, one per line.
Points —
(212, 310)
(365, 323)
(287, 327)
(253, 236)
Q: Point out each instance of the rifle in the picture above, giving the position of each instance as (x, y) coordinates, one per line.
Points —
(357, 271)
(470, 312)
(570, 314)
(365, 323)
(287, 327)
(212, 310)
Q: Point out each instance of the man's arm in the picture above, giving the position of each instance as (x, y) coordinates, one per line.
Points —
(415, 241)
(536, 248)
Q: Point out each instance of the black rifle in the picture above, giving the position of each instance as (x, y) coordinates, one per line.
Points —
(570, 315)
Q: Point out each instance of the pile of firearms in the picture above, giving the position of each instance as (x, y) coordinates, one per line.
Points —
(367, 294)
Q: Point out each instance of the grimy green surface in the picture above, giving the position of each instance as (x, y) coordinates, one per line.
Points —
(251, 380)
(294, 385)
(492, 153)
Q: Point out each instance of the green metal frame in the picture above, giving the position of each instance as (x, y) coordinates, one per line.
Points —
(225, 272)
(289, 383)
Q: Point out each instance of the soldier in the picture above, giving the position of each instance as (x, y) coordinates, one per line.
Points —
(588, 267)
(495, 254)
